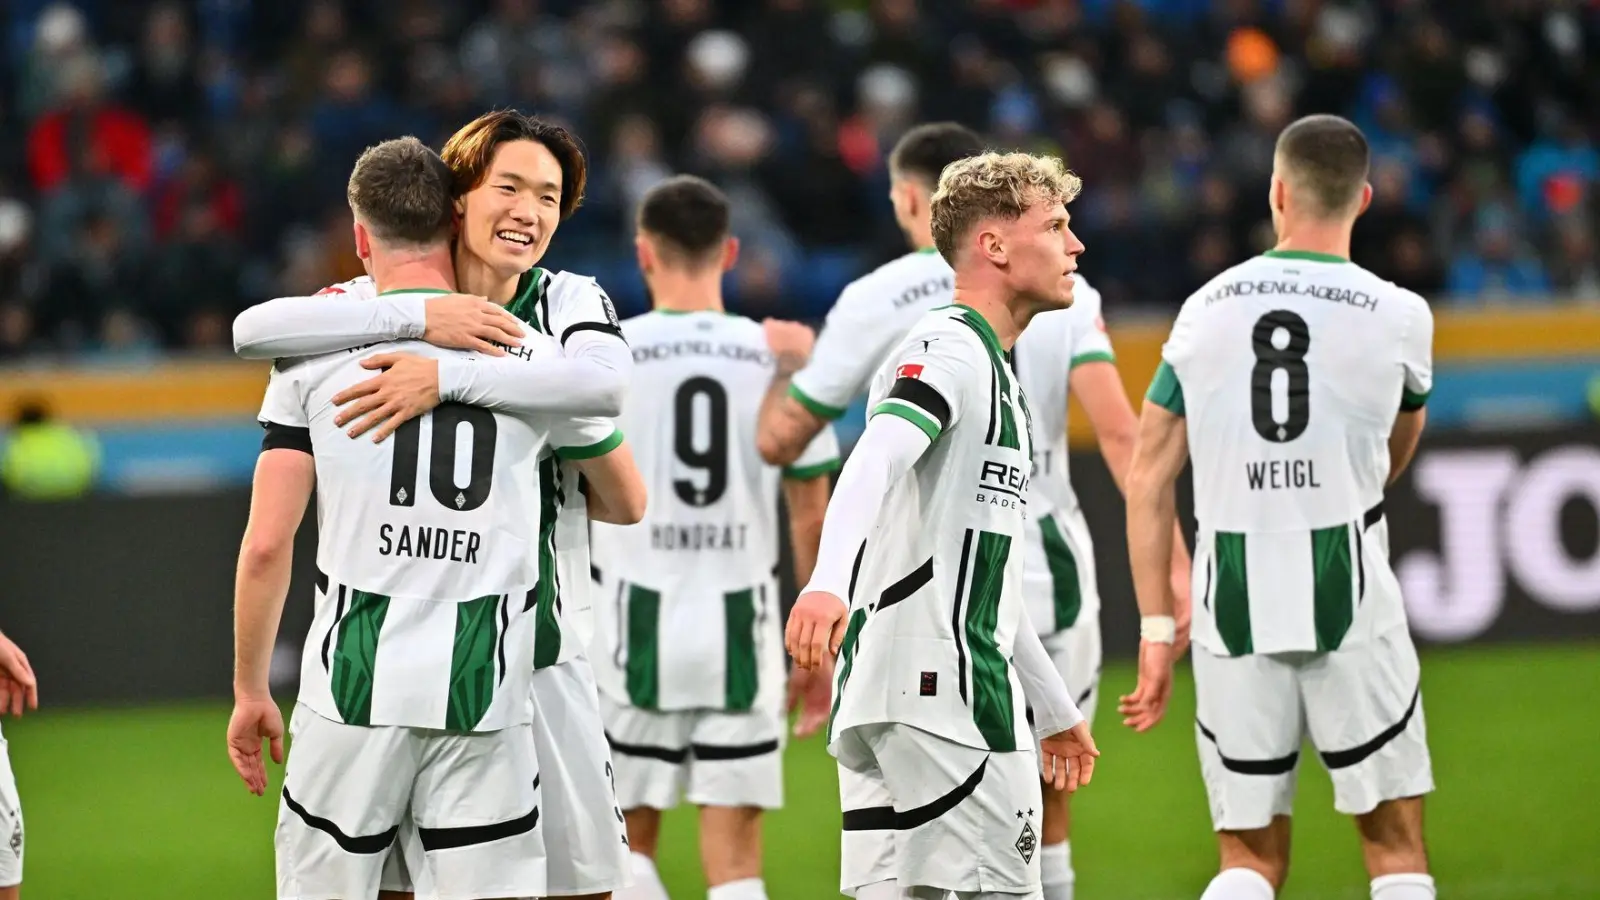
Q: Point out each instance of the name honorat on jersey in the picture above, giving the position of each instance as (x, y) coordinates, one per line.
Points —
(695, 619)
(1290, 369)
(937, 597)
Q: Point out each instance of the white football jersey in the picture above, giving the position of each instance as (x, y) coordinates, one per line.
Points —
(868, 320)
(431, 549)
(936, 600)
(1061, 585)
(691, 618)
(1290, 369)
(571, 309)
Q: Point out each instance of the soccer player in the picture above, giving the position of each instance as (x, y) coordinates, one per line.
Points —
(1061, 351)
(1296, 381)
(875, 311)
(515, 179)
(19, 691)
(413, 706)
(921, 548)
(689, 656)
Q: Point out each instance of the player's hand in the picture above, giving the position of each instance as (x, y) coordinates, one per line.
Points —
(815, 629)
(1142, 710)
(19, 687)
(469, 322)
(254, 720)
(1182, 609)
(1066, 758)
(408, 387)
(811, 692)
(790, 342)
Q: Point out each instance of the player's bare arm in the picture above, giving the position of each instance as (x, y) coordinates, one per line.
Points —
(617, 492)
(331, 321)
(19, 687)
(810, 691)
(786, 426)
(281, 489)
(1098, 387)
(886, 451)
(1158, 458)
(1403, 440)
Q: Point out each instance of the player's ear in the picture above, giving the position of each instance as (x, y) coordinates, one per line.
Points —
(1277, 195)
(730, 253)
(645, 253)
(1366, 198)
(363, 240)
(991, 246)
(460, 204)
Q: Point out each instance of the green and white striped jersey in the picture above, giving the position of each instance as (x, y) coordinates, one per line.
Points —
(937, 596)
(431, 550)
(1060, 582)
(869, 319)
(1290, 369)
(691, 618)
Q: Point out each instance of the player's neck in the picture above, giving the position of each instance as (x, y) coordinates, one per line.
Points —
(474, 276)
(683, 292)
(1323, 238)
(1006, 318)
(920, 237)
(431, 272)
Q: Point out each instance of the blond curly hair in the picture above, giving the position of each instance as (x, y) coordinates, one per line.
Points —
(1001, 185)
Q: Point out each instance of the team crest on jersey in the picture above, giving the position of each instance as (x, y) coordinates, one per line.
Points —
(16, 840)
(909, 370)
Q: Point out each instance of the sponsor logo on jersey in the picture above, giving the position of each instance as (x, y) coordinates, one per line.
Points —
(909, 370)
(1002, 484)
(611, 310)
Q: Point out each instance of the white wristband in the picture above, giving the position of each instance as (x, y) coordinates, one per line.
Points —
(1158, 629)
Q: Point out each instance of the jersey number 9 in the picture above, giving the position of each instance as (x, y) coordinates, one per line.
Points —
(713, 459)
(447, 421)
(1291, 360)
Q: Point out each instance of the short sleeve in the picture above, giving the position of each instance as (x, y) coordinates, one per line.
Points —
(819, 458)
(933, 377)
(1416, 350)
(584, 437)
(580, 308)
(1090, 342)
(283, 414)
(846, 354)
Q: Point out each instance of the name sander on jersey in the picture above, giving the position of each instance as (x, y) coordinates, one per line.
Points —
(425, 542)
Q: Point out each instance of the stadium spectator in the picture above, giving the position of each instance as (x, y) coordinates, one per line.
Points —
(47, 459)
(142, 112)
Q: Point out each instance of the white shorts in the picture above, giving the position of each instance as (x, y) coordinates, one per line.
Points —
(1077, 655)
(585, 838)
(1361, 706)
(470, 802)
(709, 757)
(939, 815)
(10, 823)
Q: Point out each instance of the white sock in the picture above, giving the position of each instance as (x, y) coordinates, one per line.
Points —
(1239, 884)
(646, 881)
(1408, 886)
(743, 889)
(1055, 870)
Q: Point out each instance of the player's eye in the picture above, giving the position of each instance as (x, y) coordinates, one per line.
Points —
(506, 189)
(550, 199)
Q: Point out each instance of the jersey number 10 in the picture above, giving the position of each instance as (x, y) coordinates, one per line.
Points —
(1291, 360)
(447, 421)
(713, 459)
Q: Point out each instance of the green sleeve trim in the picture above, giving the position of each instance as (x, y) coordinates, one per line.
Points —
(816, 407)
(1092, 356)
(600, 448)
(815, 470)
(910, 414)
(1165, 391)
(1411, 401)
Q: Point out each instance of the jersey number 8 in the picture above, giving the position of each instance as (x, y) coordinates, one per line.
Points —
(713, 459)
(1291, 360)
(447, 421)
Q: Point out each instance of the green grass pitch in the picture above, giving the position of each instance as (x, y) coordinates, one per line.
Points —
(141, 803)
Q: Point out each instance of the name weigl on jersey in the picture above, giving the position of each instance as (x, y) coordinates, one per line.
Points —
(1282, 474)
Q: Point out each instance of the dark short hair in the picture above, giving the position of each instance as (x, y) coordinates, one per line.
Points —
(689, 215)
(925, 150)
(400, 190)
(1328, 157)
(469, 152)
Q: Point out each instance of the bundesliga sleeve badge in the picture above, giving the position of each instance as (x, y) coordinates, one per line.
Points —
(909, 370)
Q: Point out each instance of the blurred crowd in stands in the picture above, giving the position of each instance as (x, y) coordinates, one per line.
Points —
(168, 163)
